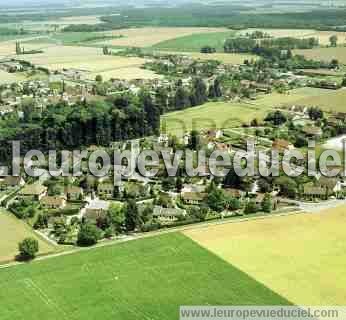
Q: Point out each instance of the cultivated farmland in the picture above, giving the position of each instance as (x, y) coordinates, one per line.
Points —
(6, 77)
(127, 73)
(328, 100)
(324, 54)
(194, 42)
(150, 36)
(133, 280)
(13, 231)
(91, 60)
(297, 256)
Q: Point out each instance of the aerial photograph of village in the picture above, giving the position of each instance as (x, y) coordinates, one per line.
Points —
(172, 160)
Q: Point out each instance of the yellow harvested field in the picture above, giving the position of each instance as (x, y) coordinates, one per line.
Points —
(83, 58)
(304, 251)
(12, 232)
(77, 20)
(329, 100)
(324, 54)
(8, 48)
(149, 36)
(323, 36)
(278, 33)
(6, 77)
(129, 73)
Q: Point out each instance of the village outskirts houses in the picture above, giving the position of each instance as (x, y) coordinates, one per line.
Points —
(323, 189)
(35, 191)
(74, 193)
(53, 202)
(11, 182)
(168, 215)
(96, 209)
(105, 190)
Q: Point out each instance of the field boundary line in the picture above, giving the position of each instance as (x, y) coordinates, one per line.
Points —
(139, 236)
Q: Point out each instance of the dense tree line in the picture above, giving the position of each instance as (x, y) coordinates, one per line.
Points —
(249, 45)
(62, 126)
(226, 15)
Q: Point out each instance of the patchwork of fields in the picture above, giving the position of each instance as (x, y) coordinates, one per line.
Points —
(134, 280)
(302, 257)
(150, 36)
(88, 59)
(12, 232)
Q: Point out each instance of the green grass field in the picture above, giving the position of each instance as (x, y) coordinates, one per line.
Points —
(143, 279)
(210, 115)
(195, 42)
(225, 114)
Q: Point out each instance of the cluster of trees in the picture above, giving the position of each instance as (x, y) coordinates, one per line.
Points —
(257, 34)
(250, 45)
(63, 126)
(28, 248)
(185, 97)
(20, 50)
(117, 220)
(218, 201)
(88, 27)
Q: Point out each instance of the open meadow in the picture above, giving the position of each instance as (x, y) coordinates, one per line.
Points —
(150, 36)
(301, 257)
(134, 280)
(229, 114)
(12, 232)
(210, 115)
